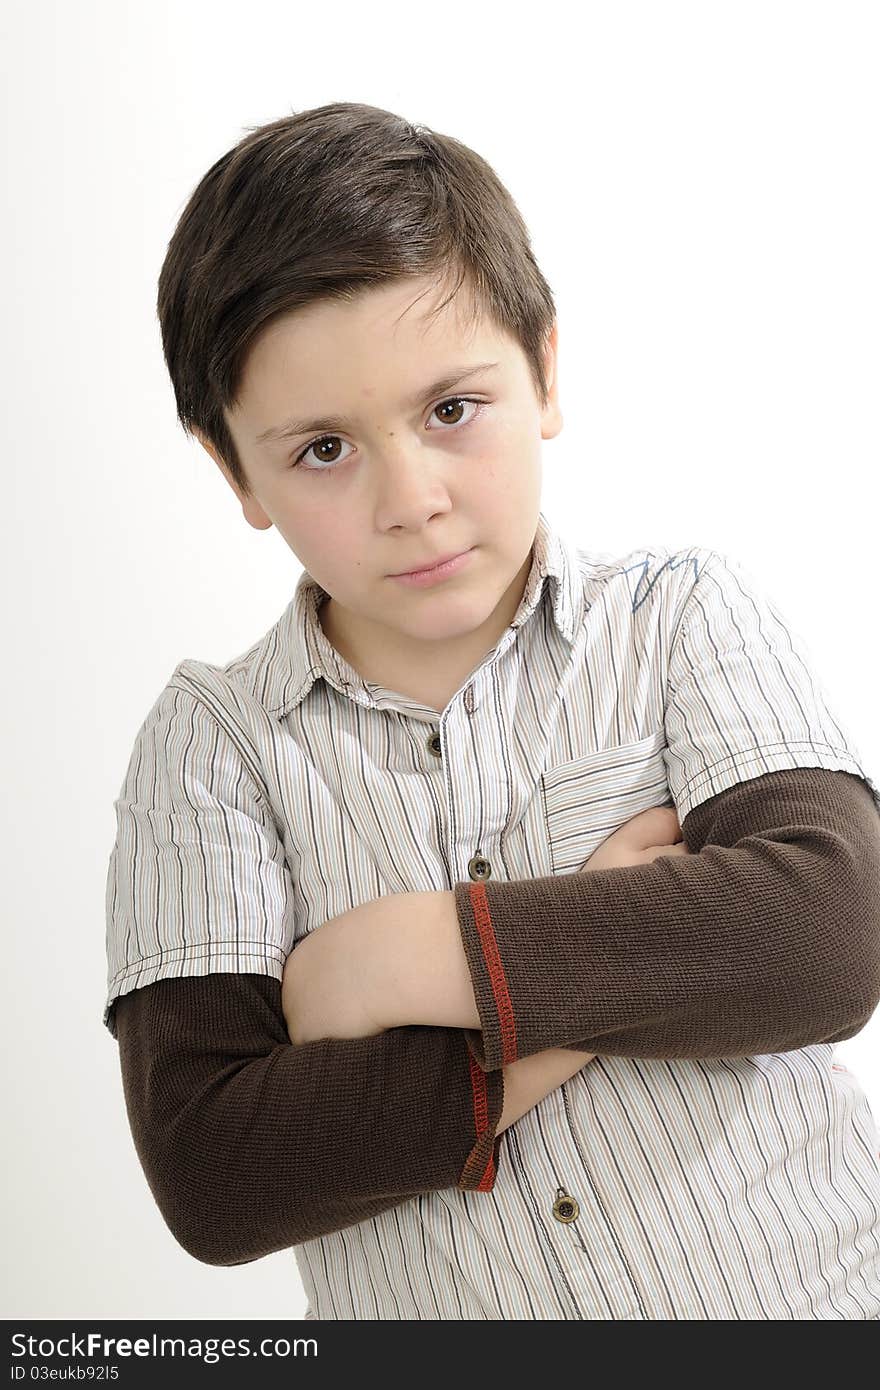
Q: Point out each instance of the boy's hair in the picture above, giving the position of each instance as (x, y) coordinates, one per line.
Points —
(320, 205)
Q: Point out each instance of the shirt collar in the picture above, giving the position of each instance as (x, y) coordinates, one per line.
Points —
(295, 651)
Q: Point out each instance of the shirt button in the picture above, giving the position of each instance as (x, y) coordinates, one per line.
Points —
(435, 746)
(479, 868)
(565, 1208)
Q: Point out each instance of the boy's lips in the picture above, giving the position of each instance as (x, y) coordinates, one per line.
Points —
(430, 564)
(437, 574)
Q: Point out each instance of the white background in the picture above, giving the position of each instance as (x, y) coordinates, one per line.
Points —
(701, 185)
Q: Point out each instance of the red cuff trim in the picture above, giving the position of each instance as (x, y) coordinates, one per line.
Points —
(492, 957)
(487, 1181)
(481, 1122)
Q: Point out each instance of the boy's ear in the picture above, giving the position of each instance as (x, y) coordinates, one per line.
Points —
(253, 512)
(551, 415)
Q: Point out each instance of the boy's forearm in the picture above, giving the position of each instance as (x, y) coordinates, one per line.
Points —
(418, 971)
(389, 962)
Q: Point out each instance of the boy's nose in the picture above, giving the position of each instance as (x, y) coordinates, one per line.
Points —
(404, 473)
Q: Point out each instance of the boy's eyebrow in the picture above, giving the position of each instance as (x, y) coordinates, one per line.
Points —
(330, 422)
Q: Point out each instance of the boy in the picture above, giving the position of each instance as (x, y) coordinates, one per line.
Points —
(366, 1004)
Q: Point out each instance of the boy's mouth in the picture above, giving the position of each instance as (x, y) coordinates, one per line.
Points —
(430, 564)
(434, 574)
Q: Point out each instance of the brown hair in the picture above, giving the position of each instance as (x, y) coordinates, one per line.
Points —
(322, 204)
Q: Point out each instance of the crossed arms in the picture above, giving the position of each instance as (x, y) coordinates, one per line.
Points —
(733, 949)
(763, 938)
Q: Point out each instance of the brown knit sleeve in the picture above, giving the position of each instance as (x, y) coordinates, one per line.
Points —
(250, 1144)
(765, 938)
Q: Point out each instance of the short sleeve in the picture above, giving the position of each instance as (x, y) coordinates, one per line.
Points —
(741, 698)
(197, 880)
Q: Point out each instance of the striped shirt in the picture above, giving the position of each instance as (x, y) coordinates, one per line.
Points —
(744, 1187)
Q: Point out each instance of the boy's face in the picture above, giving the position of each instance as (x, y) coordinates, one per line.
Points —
(392, 476)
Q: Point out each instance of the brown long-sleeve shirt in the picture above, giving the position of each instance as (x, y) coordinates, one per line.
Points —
(766, 937)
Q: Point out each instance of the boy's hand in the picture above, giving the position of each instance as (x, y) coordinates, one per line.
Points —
(323, 993)
(638, 841)
(528, 1080)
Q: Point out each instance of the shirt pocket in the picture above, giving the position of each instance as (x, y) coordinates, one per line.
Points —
(587, 799)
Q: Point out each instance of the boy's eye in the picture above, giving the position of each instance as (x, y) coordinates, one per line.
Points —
(329, 457)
